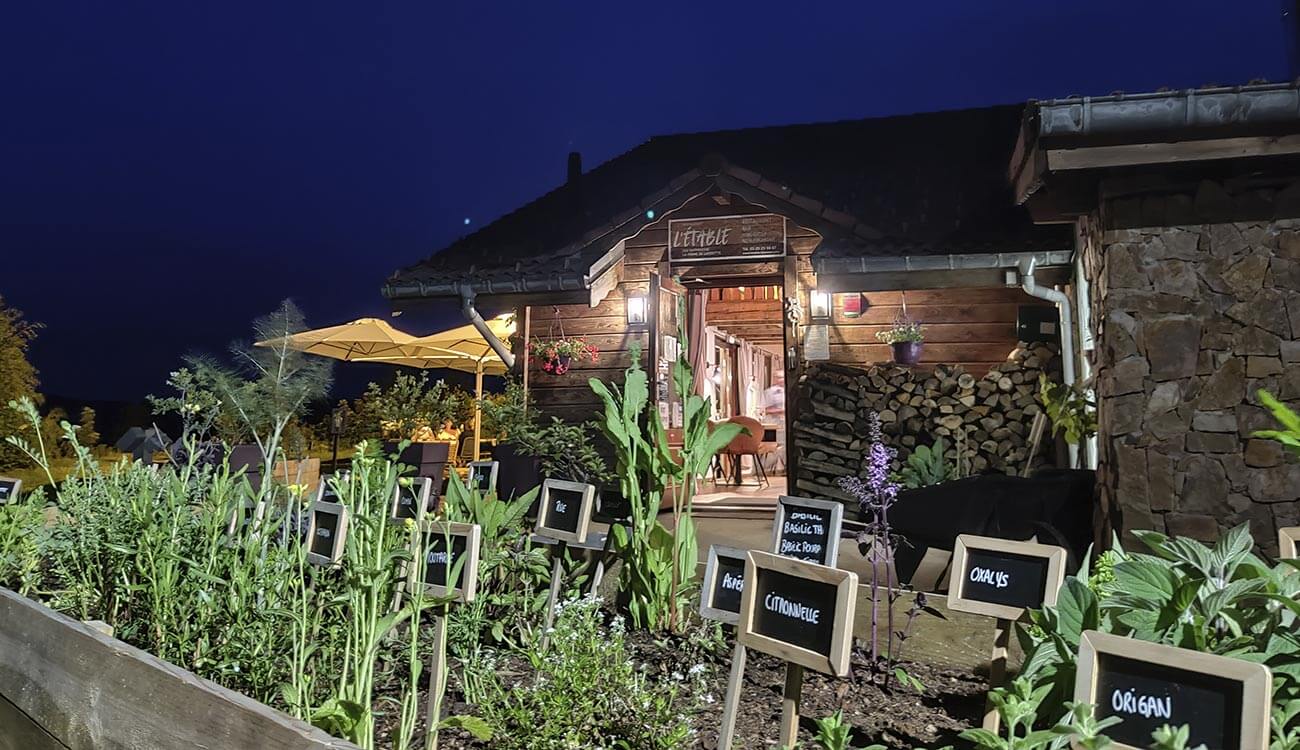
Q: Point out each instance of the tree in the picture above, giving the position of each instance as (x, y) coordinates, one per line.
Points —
(270, 384)
(87, 435)
(17, 377)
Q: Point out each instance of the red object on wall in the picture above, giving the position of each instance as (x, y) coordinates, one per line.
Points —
(852, 305)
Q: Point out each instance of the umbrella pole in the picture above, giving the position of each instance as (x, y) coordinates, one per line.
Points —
(478, 408)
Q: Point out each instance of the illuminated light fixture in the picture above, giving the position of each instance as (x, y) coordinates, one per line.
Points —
(650, 213)
(636, 311)
(819, 305)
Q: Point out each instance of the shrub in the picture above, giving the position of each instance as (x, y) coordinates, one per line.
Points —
(565, 450)
(587, 692)
(410, 402)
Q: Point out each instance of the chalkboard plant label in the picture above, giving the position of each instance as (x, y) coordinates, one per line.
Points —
(326, 532)
(482, 476)
(1288, 542)
(1223, 701)
(450, 559)
(1001, 578)
(798, 611)
(410, 498)
(723, 584)
(808, 529)
(9, 489)
(564, 510)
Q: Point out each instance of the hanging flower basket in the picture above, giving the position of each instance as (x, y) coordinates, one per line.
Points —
(905, 336)
(558, 355)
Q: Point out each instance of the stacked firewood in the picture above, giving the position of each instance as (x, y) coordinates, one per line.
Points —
(985, 421)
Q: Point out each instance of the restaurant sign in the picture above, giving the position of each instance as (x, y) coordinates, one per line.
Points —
(731, 238)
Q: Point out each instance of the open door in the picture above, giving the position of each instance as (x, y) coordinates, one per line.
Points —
(667, 303)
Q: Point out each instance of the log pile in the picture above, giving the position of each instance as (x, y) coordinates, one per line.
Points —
(985, 421)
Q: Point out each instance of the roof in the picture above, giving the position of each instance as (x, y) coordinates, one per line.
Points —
(1157, 128)
(920, 184)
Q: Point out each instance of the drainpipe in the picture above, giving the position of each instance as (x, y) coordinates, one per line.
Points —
(1062, 302)
(480, 325)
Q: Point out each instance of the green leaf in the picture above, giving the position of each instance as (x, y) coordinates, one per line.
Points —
(1077, 609)
(1146, 579)
(477, 727)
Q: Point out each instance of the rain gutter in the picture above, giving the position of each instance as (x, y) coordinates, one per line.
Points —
(961, 262)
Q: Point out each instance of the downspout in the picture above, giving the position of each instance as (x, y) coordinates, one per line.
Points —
(480, 325)
(1062, 302)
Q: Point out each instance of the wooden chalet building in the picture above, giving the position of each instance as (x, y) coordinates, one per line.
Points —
(911, 210)
(791, 247)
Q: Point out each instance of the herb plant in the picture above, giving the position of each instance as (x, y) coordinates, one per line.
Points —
(1288, 421)
(1069, 408)
(1219, 599)
(927, 465)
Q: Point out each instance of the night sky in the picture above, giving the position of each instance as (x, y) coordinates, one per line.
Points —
(170, 170)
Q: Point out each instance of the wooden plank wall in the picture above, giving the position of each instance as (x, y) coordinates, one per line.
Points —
(90, 692)
(568, 396)
(975, 328)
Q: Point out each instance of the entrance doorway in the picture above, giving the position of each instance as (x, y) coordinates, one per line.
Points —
(739, 336)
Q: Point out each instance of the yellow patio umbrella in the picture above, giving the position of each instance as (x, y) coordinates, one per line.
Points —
(462, 348)
(364, 338)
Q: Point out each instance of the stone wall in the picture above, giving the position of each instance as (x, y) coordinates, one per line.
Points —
(1191, 321)
(987, 418)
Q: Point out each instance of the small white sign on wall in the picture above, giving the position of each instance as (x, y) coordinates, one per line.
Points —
(817, 343)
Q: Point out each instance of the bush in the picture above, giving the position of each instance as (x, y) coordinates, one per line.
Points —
(566, 451)
(587, 692)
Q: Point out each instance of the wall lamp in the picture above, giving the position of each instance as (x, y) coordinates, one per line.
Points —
(819, 305)
(636, 311)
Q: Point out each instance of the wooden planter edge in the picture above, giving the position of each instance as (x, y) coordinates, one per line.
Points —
(87, 690)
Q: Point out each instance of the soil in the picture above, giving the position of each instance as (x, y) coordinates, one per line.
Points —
(897, 716)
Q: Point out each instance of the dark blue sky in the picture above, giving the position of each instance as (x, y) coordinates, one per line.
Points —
(169, 170)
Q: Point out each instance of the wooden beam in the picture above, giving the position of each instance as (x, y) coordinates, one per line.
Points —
(1094, 157)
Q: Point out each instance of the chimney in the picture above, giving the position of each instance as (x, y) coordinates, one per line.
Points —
(575, 167)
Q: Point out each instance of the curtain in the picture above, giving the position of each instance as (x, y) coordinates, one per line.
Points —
(699, 347)
(745, 376)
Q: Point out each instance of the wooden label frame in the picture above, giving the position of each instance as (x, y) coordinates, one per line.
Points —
(10, 488)
(421, 499)
(340, 532)
(712, 568)
(492, 466)
(830, 556)
(845, 607)
(1288, 543)
(968, 543)
(1256, 682)
(588, 500)
(468, 582)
